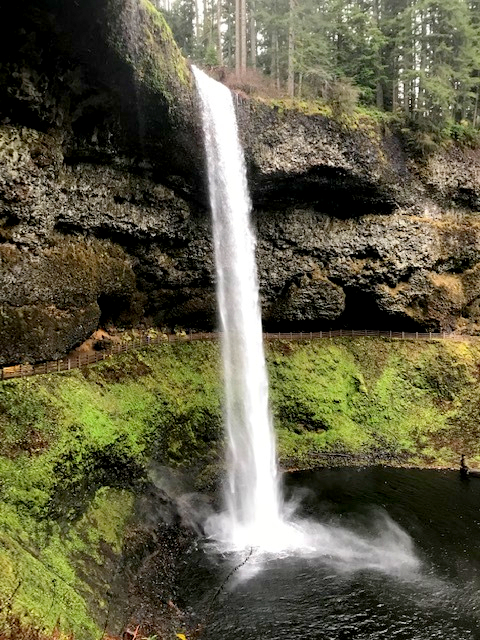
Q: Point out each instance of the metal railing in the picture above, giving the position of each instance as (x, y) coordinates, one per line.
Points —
(354, 333)
(79, 359)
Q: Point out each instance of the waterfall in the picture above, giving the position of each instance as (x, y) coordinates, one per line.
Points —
(255, 515)
(252, 494)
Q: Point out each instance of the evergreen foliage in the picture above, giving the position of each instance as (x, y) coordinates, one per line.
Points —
(419, 59)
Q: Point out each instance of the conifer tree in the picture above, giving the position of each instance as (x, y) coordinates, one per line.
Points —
(416, 57)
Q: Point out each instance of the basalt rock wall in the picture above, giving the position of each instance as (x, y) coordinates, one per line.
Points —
(103, 214)
(357, 232)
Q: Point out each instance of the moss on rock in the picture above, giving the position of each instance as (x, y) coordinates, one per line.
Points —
(46, 577)
(142, 37)
(76, 450)
(79, 446)
(50, 298)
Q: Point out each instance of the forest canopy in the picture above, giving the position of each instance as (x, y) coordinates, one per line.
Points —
(419, 59)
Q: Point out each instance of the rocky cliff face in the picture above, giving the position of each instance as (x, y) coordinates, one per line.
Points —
(355, 232)
(102, 197)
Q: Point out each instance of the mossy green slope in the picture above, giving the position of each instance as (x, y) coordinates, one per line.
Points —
(405, 402)
(77, 446)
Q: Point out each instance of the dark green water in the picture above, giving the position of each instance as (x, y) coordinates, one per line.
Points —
(326, 595)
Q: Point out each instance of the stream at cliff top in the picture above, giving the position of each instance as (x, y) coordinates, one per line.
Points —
(330, 597)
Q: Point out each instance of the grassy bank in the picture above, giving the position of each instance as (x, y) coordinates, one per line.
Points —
(77, 446)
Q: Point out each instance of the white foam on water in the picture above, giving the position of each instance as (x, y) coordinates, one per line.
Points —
(386, 547)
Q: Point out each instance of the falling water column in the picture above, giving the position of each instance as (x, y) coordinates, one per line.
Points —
(253, 504)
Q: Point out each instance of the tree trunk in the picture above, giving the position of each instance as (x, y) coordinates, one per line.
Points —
(230, 43)
(379, 84)
(476, 120)
(212, 23)
(243, 34)
(275, 66)
(409, 62)
(291, 51)
(238, 47)
(394, 84)
(219, 33)
(379, 95)
(253, 35)
(197, 20)
(207, 24)
(240, 36)
(422, 95)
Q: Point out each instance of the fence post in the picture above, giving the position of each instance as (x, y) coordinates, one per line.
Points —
(390, 333)
(341, 332)
(403, 335)
(416, 335)
(311, 335)
(291, 335)
(321, 334)
(430, 335)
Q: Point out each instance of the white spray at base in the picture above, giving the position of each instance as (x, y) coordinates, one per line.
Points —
(255, 515)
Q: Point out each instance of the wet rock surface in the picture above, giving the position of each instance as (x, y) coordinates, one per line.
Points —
(103, 214)
(348, 169)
